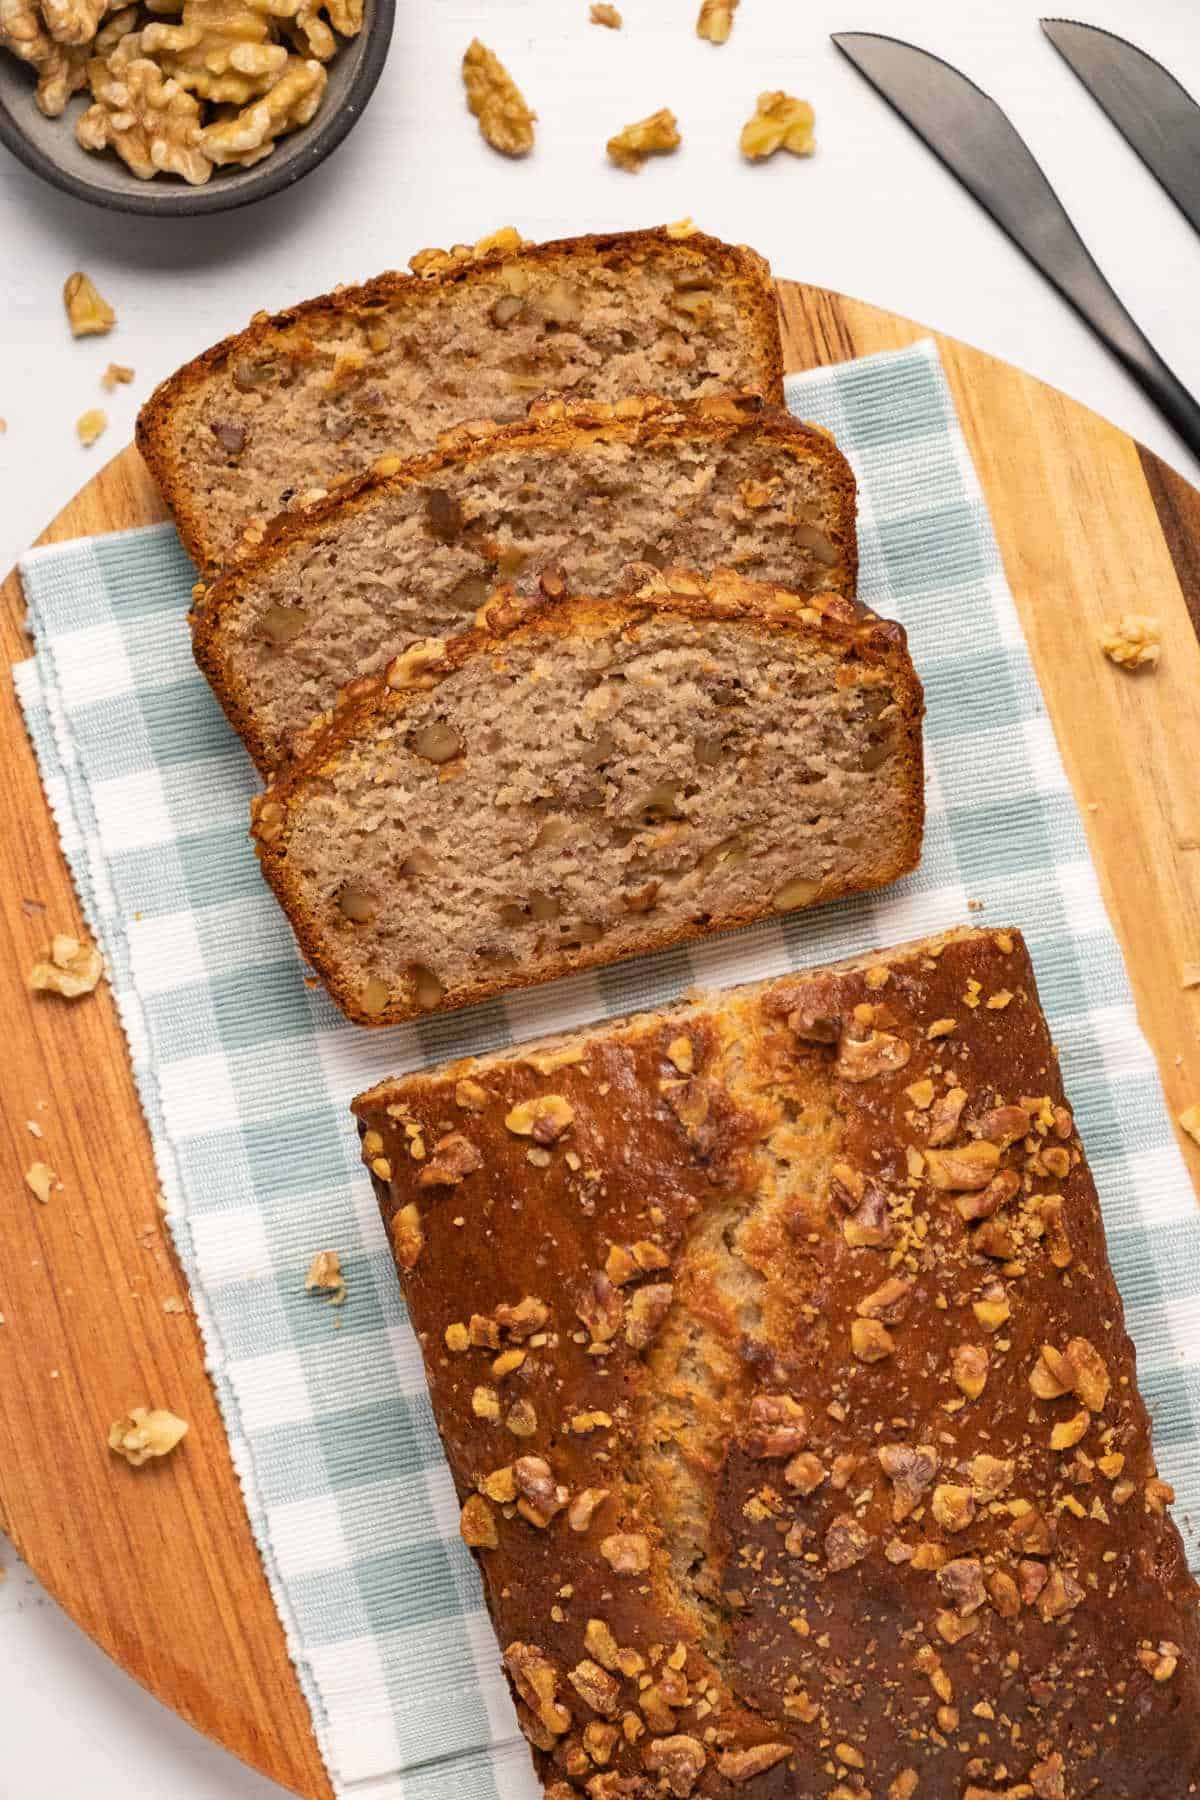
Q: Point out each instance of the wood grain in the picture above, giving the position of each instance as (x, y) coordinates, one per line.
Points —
(158, 1564)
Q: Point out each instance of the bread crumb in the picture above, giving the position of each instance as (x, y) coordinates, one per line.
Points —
(116, 375)
(145, 1432)
(657, 135)
(1189, 1118)
(604, 14)
(1134, 641)
(90, 426)
(68, 966)
(325, 1276)
(716, 20)
(88, 313)
(1191, 974)
(41, 1180)
(33, 1128)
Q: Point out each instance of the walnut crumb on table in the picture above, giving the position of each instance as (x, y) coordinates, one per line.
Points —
(145, 1432)
(716, 20)
(41, 1180)
(505, 119)
(604, 14)
(116, 375)
(68, 966)
(90, 426)
(780, 122)
(654, 136)
(325, 1277)
(88, 312)
(1134, 641)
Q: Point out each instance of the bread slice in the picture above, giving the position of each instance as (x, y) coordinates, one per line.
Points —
(582, 490)
(733, 1319)
(602, 778)
(297, 402)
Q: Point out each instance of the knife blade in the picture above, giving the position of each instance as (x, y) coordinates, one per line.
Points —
(980, 146)
(1154, 113)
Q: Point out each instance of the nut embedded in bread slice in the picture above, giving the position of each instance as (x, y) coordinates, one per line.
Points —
(573, 495)
(592, 779)
(308, 398)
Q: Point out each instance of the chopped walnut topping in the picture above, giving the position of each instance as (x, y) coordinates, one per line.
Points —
(991, 1476)
(88, 313)
(911, 1472)
(325, 1276)
(846, 1543)
(961, 1580)
(953, 1507)
(544, 1119)
(626, 1552)
(992, 1311)
(69, 966)
(1060, 1595)
(743, 1765)
(602, 1309)
(603, 13)
(1003, 1593)
(647, 1310)
(779, 122)
(477, 1524)
(778, 1426)
(1159, 1495)
(408, 1236)
(521, 1321)
(678, 1761)
(804, 1473)
(681, 1053)
(871, 1341)
(454, 1158)
(145, 1432)
(1162, 1663)
(984, 1203)
(944, 1116)
(470, 1096)
(595, 1687)
(540, 1498)
(1134, 641)
(969, 1363)
(653, 136)
(536, 1681)
(521, 1418)
(967, 1166)
(497, 102)
(863, 1059)
(889, 1302)
(584, 1506)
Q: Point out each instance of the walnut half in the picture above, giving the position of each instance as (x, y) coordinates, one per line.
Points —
(655, 136)
(505, 119)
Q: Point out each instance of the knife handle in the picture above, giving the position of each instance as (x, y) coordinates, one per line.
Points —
(1162, 386)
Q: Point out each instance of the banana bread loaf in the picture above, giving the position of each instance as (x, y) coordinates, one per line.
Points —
(784, 1382)
(298, 402)
(583, 489)
(600, 779)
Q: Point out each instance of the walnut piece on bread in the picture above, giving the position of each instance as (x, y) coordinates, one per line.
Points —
(730, 1557)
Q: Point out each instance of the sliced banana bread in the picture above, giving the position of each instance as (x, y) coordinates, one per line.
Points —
(785, 1385)
(297, 402)
(581, 490)
(601, 778)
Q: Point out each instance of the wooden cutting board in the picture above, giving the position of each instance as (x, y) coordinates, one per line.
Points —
(158, 1564)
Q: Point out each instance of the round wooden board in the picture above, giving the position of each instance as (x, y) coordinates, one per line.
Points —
(158, 1564)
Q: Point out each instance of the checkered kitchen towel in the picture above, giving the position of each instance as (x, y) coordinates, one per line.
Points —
(245, 1071)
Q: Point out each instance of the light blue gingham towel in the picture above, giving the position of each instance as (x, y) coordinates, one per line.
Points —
(245, 1069)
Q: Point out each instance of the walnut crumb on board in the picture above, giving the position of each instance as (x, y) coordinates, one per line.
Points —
(604, 14)
(173, 1304)
(1134, 641)
(68, 966)
(325, 1277)
(654, 136)
(1191, 974)
(716, 20)
(88, 313)
(779, 122)
(145, 1432)
(116, 375)
(1189, 1118)
(90, 426)
(40, 1179)
(505, 119)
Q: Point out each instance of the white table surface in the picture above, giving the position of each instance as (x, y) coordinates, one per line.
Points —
(872, 214)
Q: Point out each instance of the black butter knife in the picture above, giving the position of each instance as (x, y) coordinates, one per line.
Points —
(1153, 112)
(981, 147)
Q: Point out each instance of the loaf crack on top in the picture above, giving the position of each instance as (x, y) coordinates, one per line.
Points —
(785, 1385)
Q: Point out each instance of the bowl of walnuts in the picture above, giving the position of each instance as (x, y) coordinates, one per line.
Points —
(184, 106)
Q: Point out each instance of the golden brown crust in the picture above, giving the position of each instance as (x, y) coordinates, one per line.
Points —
(739, 266)
(554, 427)
(910, 1582)
(832, 619)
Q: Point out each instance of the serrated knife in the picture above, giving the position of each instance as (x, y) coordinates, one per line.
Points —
(981, 147)
(1154, 113)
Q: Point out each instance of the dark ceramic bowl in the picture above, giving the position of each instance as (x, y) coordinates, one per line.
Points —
(48, 146)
